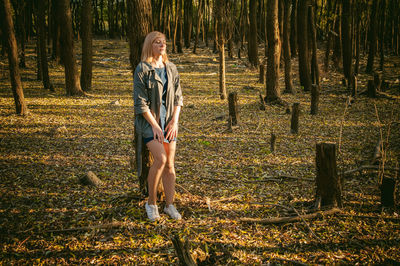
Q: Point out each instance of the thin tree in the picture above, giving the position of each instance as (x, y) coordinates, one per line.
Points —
(72, 85)
(86, 34)
(286, 47)
(314, 60)
(252, 37)
(220, 20)
(293, 29)
(188, 23)
(302, 42)
(198, 24)
(273, 94)
(10, 44)
(382, 33)
(347, 40)
(372, 38)
(42, 46)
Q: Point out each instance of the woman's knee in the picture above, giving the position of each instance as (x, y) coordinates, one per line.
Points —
(160, 160)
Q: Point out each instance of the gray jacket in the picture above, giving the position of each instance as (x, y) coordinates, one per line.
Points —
(147, 95)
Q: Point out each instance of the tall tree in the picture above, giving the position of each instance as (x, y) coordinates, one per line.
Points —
(198, 24)
(372, 37)
(220, 21)
(42, 46)
(286, 47)
(273, 94)
(313, 41)
(86, 34)
(293, 29)
(252, 37)
(382, 33)
(188, 24)
(72, 84)
(347, 40)
(9, 41)
(302, 42)
(139, 25)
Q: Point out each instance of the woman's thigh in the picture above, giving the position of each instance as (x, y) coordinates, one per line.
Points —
(170, 149)
(157, 150)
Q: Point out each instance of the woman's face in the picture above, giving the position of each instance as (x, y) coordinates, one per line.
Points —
(159, 46)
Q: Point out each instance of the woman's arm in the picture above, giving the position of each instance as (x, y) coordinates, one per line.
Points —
(157, 131)
(172, 127)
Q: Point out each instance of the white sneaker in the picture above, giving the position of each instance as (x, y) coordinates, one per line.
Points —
(152, 212)
(171, 211)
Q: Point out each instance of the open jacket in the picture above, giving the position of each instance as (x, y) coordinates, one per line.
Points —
(147, 96)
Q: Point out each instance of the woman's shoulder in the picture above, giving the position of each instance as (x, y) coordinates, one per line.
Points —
(171, 66)
(142, 67)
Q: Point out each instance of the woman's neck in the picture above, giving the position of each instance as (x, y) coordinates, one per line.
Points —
(157, 62)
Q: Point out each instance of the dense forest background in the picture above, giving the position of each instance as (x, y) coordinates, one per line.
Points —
(289, 143)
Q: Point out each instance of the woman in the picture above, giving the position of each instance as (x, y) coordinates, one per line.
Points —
(158, 100)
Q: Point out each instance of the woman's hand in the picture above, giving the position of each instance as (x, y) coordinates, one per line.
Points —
(158, 133)
(172, 130)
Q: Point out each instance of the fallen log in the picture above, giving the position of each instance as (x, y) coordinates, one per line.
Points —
(373, 167)
(291, 219)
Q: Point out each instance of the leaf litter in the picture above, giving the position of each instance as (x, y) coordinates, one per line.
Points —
(48, 217)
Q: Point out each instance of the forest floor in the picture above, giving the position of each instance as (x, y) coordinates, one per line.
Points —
(47, 216)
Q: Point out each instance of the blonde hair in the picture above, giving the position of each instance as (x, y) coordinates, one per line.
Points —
(147, 50)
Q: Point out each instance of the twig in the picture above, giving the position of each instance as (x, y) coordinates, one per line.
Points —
(370, 217)
(369, 167)
(23, 241)
(309, 228)
(84, 228)
(291, 219)
(275, 178)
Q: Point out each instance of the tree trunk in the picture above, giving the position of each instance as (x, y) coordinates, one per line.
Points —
(198, 24)
(252, 37)
(286, 48)
(304, 63)
(220, 7)
(293, 29)
(329, 191)
(72, 84)
(388, 192)
(382, 34)
(179, 45)
(86, 34)
(314, 99)
(188, 25)
(139, 25)
(314, 61)
(233, 109)
(347, 41)
(294, 124)
(55, 32)
(337, 49)
(42, 45)
(372, 38)
(272, 83)
(357, 64)
(10, 44)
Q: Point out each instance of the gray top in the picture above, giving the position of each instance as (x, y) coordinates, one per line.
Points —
(147, 95)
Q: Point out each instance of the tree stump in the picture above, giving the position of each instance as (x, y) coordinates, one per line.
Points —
(388, 188)
(262, 103)
(294, 126)
(371, 89)
(262, 73)
(273, 141)
(91, 179)
(314, 99)
(182, 251)
(329, 191)
(354, 87)
(233, 109)
(377, 81)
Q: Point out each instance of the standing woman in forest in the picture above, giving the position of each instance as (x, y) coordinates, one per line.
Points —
(158, 99)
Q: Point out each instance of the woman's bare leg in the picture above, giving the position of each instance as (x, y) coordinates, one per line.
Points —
(168, 175)
(156, 169)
